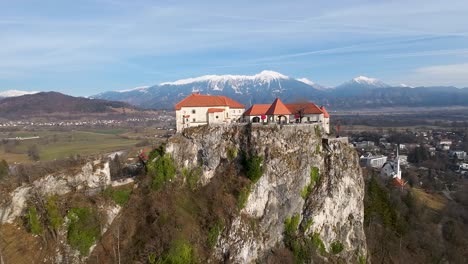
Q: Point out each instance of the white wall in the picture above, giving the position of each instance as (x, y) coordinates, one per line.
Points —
(200, 117)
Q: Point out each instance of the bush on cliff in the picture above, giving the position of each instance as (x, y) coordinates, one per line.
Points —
(161, 170)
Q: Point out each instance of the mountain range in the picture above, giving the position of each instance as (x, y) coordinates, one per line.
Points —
(264, 87)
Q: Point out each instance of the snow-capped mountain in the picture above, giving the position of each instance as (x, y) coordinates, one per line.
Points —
(263, 87)
(15, 93)
(311, 83)
(363, 82)
(139, 89)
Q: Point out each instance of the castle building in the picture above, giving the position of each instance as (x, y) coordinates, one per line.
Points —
(197, 109)
(278, 112)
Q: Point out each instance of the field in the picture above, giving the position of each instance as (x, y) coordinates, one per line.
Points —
(61, 144)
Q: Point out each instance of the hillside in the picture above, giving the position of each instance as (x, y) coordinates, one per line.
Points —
(53, 103)
(265, 195)
(264, 87)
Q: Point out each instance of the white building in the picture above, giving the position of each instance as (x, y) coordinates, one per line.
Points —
(197, 109)
(445, 144)
(391, 169)
(279, 112)
(372, 161)
(461, 155)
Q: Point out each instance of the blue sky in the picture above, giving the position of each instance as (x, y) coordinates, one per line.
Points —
(89, 46)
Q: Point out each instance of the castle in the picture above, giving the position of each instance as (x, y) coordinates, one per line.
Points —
(197, 109)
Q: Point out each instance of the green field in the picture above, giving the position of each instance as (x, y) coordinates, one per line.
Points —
(59, 144)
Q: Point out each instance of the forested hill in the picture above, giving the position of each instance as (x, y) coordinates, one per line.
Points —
(47, 103)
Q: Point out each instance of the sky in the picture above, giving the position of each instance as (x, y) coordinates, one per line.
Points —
(89, 46)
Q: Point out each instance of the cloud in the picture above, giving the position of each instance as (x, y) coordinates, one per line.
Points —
(443, 52)
(166, 37)
(443, 75)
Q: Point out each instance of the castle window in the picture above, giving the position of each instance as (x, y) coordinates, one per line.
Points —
(193, 120)
(216, 117)
(193, 111)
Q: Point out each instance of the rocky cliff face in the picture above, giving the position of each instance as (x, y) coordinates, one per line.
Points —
(321, 187)
(80, 186)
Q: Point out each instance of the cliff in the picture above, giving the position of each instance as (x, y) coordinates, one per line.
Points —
(232, 194)
(321, 189)
(37, 218)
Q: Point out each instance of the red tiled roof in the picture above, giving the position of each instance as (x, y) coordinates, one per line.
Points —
(307, 108)
(324, 111)
(199, 100)
(257, 109)
(215, 110)
(278, 108)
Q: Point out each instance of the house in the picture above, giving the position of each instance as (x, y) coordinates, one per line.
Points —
(197, 109)
(372, 161)
(460, 154)
(279, 112)
(444, 144)
(364, 145)
(390, 169)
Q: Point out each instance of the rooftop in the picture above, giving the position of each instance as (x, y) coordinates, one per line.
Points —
(199, 100)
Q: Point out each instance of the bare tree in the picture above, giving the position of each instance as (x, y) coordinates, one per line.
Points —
(33, 152)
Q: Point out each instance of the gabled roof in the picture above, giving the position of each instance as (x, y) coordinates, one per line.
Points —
(199, 100)
(257, 109)
(215, 110)
(324, 111)
(307, 108)
(278, 108)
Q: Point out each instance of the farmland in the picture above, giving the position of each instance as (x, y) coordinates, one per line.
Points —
(53, 144)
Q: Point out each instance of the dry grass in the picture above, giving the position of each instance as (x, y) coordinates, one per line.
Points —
(432, 200)
(19, 246)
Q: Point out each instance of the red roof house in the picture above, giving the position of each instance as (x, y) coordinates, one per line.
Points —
(201, 100)
(278, 108)
(197, 109)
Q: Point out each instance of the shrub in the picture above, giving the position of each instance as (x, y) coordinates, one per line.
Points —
(318, 243)
(253, 167)
(120, 196)
(314, 175)
(157, 152)
(53, 213)
(231, 154)
(214, 233)
(192, 176)
(291, 225)
(33, 152)
(309, 223)
(317, 149)
(152, 258)
(336, 247)
(162, 170)
(305, 192)
(180, 252)
(362, 259)
(4, 169)
(83, 229)
(33, 221)
(243, 197)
